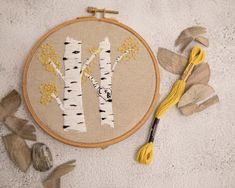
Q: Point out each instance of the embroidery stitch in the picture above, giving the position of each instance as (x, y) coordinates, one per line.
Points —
(128, 49)
(73, 90)
(77, 73)
(50, 59)
(49, 91)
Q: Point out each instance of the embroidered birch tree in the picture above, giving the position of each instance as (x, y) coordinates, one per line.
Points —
(105, 104)
(75, 71)
(72, 107)
(128, 50)
(73, 113)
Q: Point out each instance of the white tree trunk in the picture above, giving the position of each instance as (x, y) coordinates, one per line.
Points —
(73, 113)
(105, 103)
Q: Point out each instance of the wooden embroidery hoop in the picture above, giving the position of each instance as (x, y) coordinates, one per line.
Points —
(98, 144)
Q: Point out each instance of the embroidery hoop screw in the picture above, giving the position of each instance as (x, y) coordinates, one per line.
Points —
(104, 11)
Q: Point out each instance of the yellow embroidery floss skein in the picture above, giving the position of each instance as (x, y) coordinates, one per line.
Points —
(146, 154)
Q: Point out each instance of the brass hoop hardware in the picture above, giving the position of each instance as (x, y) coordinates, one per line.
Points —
(104, 11)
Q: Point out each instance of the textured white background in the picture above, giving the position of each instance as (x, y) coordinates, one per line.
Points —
(196, 151)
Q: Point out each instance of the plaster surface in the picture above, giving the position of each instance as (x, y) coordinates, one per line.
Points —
(196, 151)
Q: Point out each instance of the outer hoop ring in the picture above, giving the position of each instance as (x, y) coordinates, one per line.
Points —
(82, 144)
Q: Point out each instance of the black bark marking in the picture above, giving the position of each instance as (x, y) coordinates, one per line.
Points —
(101, 59)
(79, 114)
(75, 67)
(80, 122)
(67, 69)
(106, 73)
(65, 43)
(69, 90)
(65, 126)
(108, 51)
(103, 78)
(73, 105)
(73, 82)
(103, 118)
(64, 114)
(102, 111)
(109, 100)
(65, 99)
(66, 87)
(64, 58)
(80, 95)
(76, 52)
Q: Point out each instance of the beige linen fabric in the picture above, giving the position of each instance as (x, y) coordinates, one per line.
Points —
(134, 83)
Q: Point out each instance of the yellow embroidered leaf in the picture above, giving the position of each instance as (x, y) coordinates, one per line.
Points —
(130, 47)
(48, 55)
(46, 91)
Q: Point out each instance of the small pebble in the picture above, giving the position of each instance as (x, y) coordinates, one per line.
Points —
(41, 157)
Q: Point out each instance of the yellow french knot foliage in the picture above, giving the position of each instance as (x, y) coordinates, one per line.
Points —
(47, 55)
(132, 46)
(46, 91)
